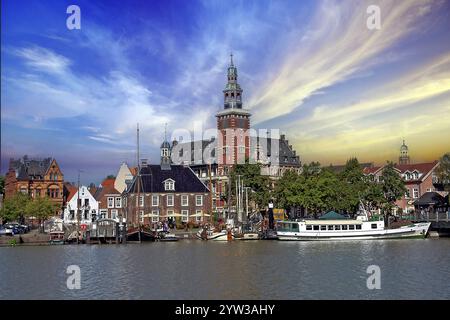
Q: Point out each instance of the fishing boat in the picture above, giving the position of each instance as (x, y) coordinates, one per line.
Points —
(56, 237)
(360, 228)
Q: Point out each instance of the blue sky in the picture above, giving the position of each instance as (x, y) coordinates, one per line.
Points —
(310, 68)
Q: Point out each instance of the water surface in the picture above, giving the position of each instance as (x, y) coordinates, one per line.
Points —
(410, 269)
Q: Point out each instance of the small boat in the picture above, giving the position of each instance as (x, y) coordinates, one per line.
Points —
(138, 234)
(223, 235)
(56, 237)
(342, 228)
(247, 236)
(165, 236)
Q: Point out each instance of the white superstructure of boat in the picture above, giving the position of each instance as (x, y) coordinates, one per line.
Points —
(347, 230)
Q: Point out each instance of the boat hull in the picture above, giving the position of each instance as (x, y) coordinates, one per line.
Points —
(418, 230)
(217, 236)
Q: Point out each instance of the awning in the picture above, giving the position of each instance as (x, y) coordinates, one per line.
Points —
(199, 215)
(150, 215)
(174, 215)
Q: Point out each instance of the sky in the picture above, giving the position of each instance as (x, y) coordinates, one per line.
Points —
(312, 69)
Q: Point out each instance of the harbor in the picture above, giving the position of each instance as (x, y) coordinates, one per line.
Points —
(192, 269)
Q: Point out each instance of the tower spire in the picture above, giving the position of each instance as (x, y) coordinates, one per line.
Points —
(233, 91)
(165, 131)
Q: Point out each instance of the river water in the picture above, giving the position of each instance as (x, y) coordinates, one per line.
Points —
(192, 269)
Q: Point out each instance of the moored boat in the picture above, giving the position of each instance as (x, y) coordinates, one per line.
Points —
(165, 236)
(347, 229)
(223, 235)
(56, 237)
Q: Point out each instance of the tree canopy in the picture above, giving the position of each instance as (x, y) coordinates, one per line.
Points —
(321, 189)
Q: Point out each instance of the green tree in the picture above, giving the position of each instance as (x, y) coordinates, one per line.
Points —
(14, 208)
(286, 190)
(392, 186)
(41, 208)
(2, 184)
(443, 171)
(251, 176)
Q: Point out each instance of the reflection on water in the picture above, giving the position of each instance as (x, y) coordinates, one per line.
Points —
(410, 269)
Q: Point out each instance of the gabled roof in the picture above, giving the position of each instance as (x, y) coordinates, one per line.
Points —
(431, 198)
(423, 168)
(106, 187)
(27, 167)
(72, 191)
(152, 177)
(108, 182)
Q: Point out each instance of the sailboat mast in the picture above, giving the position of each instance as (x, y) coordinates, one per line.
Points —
(138, 177)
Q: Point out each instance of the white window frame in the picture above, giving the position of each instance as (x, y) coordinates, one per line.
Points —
(155, 197)
(415, 193)
(169, 185)
(103, 213)
(185, 216)
(170, 213)
(141, 201)
(118, 202)
(186, 197)
(197, 197)
(114, 213)
(110, 202)
(198, 214)
(170, 196)
(141, 216)
(155, 219)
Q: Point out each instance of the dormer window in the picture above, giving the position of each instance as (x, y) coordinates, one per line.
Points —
(169, 185)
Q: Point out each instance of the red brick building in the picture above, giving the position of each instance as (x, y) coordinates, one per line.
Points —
(36, 177)
(109, 200)
(419, 178)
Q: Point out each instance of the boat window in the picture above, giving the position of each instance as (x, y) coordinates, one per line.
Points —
(344, 227)
(337, 227)
(330, 227)
(358, 227)
(323, 227)
(308, 227)
(316, 227)
(288, 227)
(351, 227)
(374, 225)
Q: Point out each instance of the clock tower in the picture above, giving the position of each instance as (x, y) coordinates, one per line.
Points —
(233, 123)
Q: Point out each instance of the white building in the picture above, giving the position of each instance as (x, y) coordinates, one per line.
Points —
(122, 177)
(86, 203)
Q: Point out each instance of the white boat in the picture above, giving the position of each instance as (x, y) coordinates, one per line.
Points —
(248, 236)
(347, 229)
(215, 236)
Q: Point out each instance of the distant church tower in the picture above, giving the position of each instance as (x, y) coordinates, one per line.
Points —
(233, 118)
(404, 157)
(165, 153)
